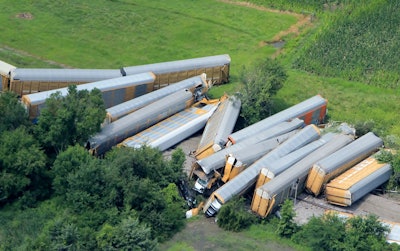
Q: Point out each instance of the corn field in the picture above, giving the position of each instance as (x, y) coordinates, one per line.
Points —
(360, 43)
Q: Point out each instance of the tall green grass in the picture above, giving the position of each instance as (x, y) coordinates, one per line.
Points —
(359, 43)
(111, 34)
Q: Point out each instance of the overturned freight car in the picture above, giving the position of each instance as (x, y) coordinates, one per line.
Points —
(247, 178)
(341, 160)
(311, 111)
(358, 181)
(123, 109)
(172, 130)
(215, 67)
(114, 91)
(115, 132)
(268, 197)
(218, 127)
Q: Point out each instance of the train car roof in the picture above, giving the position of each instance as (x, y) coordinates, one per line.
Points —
(64, 75)
(180, 65)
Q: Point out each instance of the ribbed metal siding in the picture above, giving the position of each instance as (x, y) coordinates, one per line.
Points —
(295, 111)
(135, 122)
(280, 165)
(64, 75)
(104, 85)
(172, 130)
(371, 182)
(118, 111)
(221, 124)
(247, 178)
(280, 186)
(214, 161)
(358, 149)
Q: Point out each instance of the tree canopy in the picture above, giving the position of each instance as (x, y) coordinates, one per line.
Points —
(260, 82)
(70, 120)
(22, 165)
(12, 112)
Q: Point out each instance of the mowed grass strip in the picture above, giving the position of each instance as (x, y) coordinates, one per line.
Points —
(111, 34)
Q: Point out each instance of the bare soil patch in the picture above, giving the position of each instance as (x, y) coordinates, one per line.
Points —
(25, 15)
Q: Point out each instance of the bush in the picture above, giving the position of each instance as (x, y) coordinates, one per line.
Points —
(234, 217)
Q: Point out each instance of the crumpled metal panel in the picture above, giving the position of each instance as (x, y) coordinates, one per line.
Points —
(6, 68)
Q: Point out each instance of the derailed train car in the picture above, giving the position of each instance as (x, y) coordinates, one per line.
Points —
(291, 182)
(115, 132)
(123, 109)
(114, 91)
(31, 80)
(215, 67)
(247, 178)
(5, 71)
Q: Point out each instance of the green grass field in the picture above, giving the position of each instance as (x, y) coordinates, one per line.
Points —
(113, 33)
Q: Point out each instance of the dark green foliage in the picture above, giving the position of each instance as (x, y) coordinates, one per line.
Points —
(365, 234)
(260, 83)
(22, 167)
(287, 227)
(233, 216)
(89, 188)
(67, 162)
(330, 232)
(148, 163)
(12, 113)
(363, 127)
(128, 235)
(323, 233)
(70, 120)
(394, 160)
(100, 191)
(359, 44)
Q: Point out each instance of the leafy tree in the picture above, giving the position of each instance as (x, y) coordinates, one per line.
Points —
(70, 120)
(66, 163)
(365, 234)
(22, 165)
(322, 233)
(394, 160)
(128, 235)
(12, 112)
(260, 83)
(287, 227)
(89, 188)
(233, 217)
